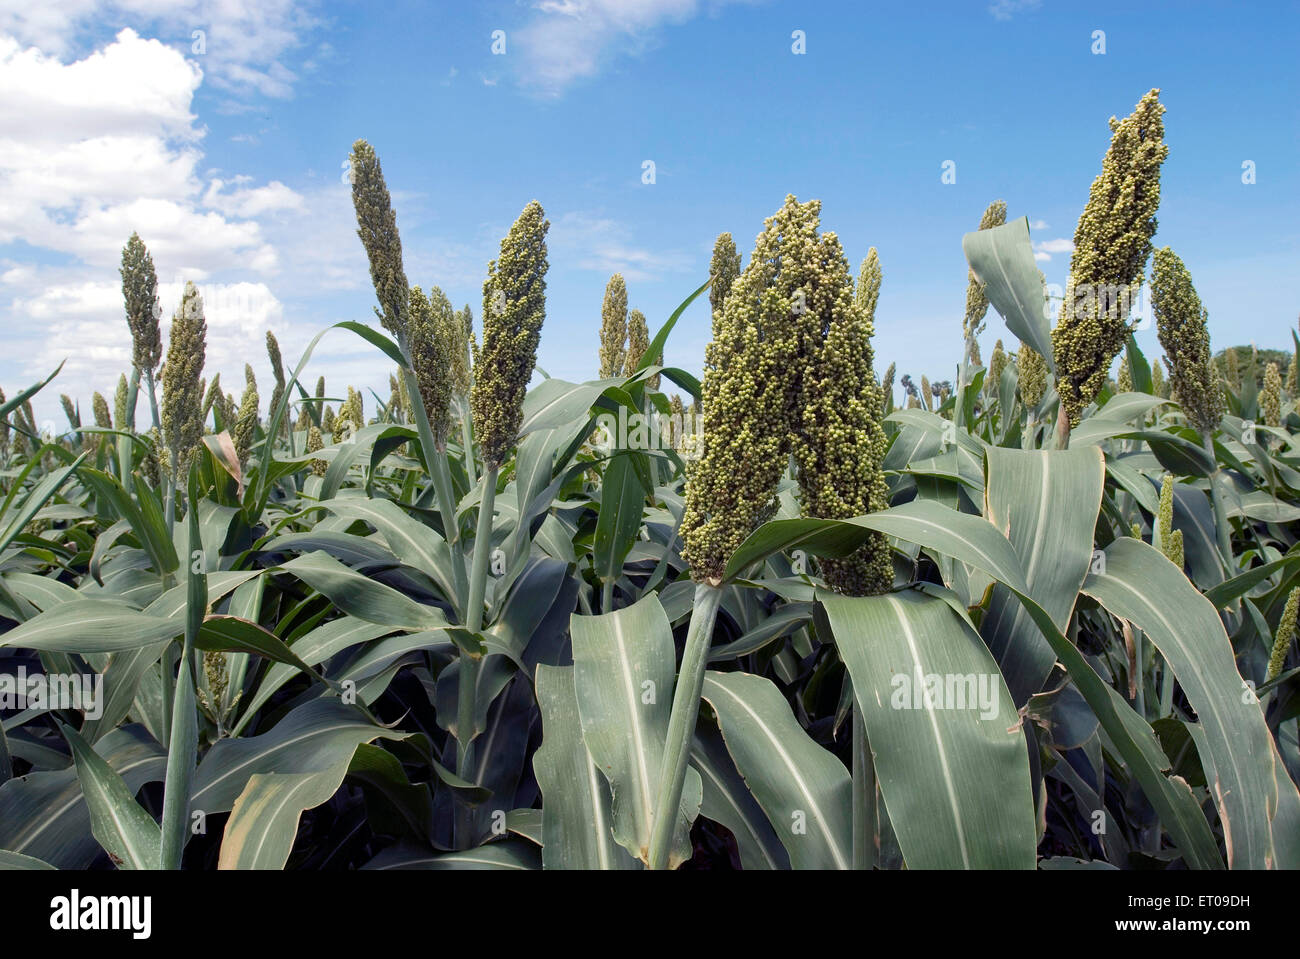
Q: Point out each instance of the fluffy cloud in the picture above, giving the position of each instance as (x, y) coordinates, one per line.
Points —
(243, 46)
(91, 150)
(593, 242)
(569, 40)
(1043, 251)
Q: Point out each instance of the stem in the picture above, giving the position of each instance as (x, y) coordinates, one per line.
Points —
(1062, 427)
(607, 596)
(864, 796)
(468, 689)
(153, 402)
(435, 464)
(681, 723)
(1222, 524)
(467, 439)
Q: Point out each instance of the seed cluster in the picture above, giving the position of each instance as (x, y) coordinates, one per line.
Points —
(140, 293)
(1111, 245)
(432, 331)
(789, 371)
(613, 327)
(1181, 326)
(182, 399)
(1031, 368)
(514, 308)
(377, 228)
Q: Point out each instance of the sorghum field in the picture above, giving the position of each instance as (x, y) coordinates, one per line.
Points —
(1041, 616)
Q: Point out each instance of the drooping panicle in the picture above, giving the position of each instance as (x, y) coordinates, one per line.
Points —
(839, 441)
(1031, 369)
(723, 270)
(245, 426)
(613, 327)
(377, 228)
(514, 308)
(749, 391)
(1111, 245)
(182, 399)
(432, 333)
(140, 293)
(1181, 326)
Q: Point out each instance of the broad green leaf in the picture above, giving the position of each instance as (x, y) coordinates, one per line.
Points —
(625, 663)
(576, 808)
(264, 821)
(1046, 503)
(727, 800)
(1002, 258)
(141, 512)
(315, 736)
(362, 596)
(622, 499)
(128, 834)
(17, 861)
(805, 791)
(91, 626)
(413, 543)
(507, 854)
(44, 814)
(1261, 821)
(975, 541)
(949, 754)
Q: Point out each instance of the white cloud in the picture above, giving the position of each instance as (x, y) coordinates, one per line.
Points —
(1006, 9)
(1043, 250)
(242, 46)
(569, 40)
(1038, 224)
(593, 242)
(93, 149)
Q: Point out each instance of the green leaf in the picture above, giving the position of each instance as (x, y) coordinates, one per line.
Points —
(624, 665)
(622, 499)
(17, 861)
(362, 596)
(804, 790)
(949, 753)
(232, 634)
(727, 800)
(142, 513)
(128, 834)
(264, 821)
(507, 854)
(1138, 584)
(1002, 258)
(576, 806)
(314, 736)
(1046, 503)
(412, 542)
(975, 541)
(91, 626)
(44, 813)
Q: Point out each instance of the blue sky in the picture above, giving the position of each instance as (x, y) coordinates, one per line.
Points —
(225, 152)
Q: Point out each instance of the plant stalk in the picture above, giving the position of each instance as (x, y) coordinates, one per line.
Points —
(1222, 525)
(865, 837)
(466, 701)
(681, 723)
